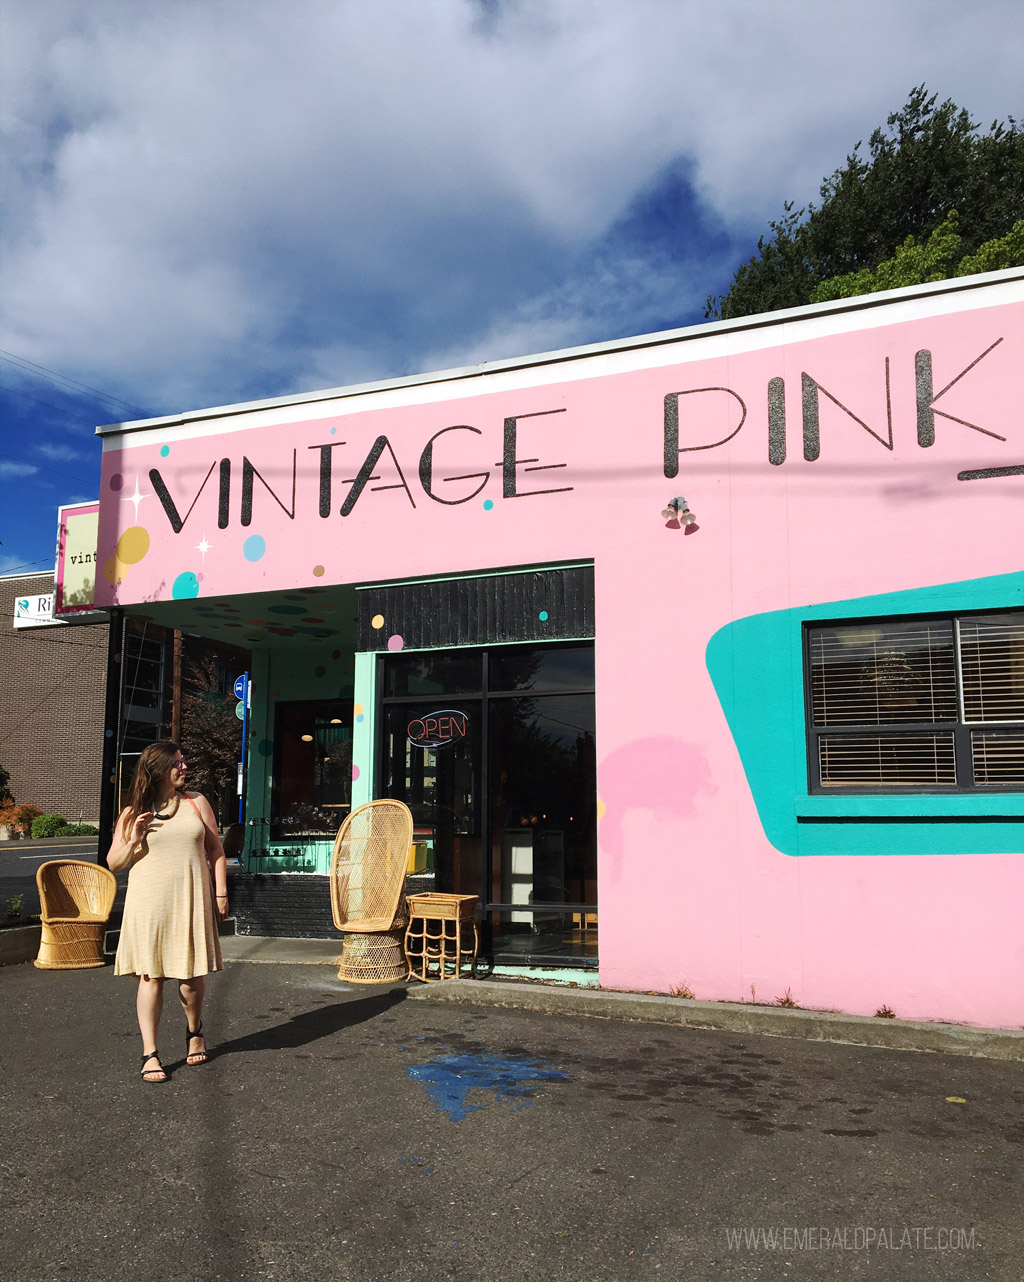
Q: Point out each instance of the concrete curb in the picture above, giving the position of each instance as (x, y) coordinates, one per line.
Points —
(769, 1021)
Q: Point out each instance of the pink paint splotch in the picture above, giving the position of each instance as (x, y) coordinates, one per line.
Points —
(662, 774)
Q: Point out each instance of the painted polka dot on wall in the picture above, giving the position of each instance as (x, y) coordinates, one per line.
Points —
(114, 570)
(265, 747)
(254, 547)
(133, 545)
(543, 616)
(335, 654)
(186, 585)
(355, 773)
(318, 571)
(164, 450)
(488, 504)
(319, 670)
(396, 642)
(377, 621)
(116, 481)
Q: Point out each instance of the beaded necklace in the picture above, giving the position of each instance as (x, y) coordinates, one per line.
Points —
(171, 813)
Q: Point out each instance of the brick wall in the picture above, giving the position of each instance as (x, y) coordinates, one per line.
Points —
(52, 683)
(292, 906)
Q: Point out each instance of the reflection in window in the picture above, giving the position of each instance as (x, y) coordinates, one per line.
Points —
(313, 766)
(543, 776)
(560, 667)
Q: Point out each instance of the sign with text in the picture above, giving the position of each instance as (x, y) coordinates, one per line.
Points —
(34, 612)
(436, 729)
(74, 581)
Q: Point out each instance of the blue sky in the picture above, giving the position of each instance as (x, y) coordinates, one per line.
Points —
(220, 201)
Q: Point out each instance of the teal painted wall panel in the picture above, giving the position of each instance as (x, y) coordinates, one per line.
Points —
(756, 666)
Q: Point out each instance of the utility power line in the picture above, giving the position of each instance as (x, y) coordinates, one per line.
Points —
(53, 376)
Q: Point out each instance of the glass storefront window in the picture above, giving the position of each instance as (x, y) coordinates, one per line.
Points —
(502, 785)
(312, 766)
(543, 780)
(560, 667)
(433, 765)
(433, 672)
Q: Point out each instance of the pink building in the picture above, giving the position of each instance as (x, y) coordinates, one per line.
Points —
(698, 656)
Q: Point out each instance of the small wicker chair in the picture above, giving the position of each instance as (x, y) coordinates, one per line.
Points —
(75, 899)
(368, 866)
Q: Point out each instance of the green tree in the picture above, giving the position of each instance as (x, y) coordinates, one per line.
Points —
(928, 162)
(940, 257)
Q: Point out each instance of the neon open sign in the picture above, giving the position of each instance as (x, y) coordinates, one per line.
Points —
(436, 729)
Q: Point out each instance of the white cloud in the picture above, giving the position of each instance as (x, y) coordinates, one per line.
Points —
(241, 197)
(59, 453)
(15, 468)
(13, 563)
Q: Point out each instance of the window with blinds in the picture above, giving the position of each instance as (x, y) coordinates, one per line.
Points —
(921, 704)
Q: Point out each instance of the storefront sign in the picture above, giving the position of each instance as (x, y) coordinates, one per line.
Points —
(436, 729)
(75, 580)
(34, 612)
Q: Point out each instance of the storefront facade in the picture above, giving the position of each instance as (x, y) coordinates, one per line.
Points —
(699, 657)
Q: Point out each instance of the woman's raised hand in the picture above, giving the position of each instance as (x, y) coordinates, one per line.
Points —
(141, 826)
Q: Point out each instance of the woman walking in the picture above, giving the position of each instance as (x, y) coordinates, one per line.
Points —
(168, 839)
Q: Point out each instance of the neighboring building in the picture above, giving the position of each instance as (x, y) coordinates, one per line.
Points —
(53, 691)
(698, 656)
(52, 683)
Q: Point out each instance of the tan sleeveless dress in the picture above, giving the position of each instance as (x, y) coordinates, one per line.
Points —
(169, 928)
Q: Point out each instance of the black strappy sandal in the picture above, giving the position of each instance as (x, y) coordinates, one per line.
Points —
(149, 1080)
(196, 1058)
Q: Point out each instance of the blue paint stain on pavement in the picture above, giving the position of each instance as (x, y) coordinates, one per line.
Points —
(450, 1078)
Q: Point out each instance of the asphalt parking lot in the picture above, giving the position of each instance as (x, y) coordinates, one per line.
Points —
(374, 1133)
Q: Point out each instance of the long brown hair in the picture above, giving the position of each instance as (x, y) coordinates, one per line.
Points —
(146, 791)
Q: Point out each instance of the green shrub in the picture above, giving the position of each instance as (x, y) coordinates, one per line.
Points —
(48, 825)
(77, 830)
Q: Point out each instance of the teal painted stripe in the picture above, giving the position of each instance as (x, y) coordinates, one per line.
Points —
(924, 805)
(756, 666)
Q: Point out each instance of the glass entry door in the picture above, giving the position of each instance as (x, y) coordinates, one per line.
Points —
(432, 761)
(493, 751)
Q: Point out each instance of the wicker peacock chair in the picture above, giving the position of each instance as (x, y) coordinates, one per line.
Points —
(371, 852)
(75, 899)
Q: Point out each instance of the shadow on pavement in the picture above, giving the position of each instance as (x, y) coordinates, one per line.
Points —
(311, 1025)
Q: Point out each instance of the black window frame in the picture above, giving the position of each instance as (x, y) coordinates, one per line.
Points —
(485, 695)
(961, 729)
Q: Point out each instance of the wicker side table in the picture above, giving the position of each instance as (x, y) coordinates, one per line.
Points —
(435, 946)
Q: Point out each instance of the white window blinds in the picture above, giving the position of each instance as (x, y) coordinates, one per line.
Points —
(926, 704)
